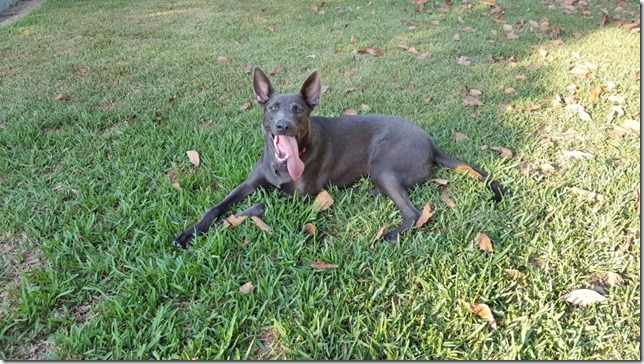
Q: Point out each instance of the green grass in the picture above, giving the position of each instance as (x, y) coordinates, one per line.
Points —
(88, 212)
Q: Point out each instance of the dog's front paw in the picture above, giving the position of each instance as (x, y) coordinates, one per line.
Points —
(392, 237)
(183, 239)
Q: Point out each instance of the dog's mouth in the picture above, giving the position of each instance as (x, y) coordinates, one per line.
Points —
(286, 150)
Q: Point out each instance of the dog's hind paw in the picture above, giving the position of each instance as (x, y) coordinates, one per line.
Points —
(183, 239)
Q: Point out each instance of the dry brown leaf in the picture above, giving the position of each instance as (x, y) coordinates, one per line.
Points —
(507, 28)
(459, 137)
(276, 70)
(590, 195)
(583, 297)
(515, 274)
(424, 56)
(576, 154)
(440, 182)
(632, 125)
(246, 288)
(503, 152)
(261, 224)
(425, 215)
(322, 201)
(372, 51)
(413, 50)
(365, 107)
(510, 90)
(63, 97)
(349, 111)
(490, 59)
(614, 111)
(193, 156)
(468, 30)
(247, 68)
(245, 106)
(520, 77)
(512, 36)
(233, 221)
(224, 59)
(464, 168)
(381, 232)
(594, 94)
(547, 167)
(557, 42)
(456, 37)
(172, 175)
(176, 186)
(314, 8)
(475, 92)
(602, 20)
(463, 61)
(310, 229)
(157, 116)
(427, 100)
(484, 243)
(616, 99)
(318, 264)
(350, 90)
(483, 311)
(472, 101)
(353, 39)
(448, 201)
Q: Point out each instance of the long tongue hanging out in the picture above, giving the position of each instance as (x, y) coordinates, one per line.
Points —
(287, 145)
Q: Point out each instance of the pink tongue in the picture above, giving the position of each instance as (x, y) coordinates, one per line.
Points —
(294, 164)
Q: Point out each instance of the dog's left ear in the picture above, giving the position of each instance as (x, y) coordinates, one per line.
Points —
(311, 89)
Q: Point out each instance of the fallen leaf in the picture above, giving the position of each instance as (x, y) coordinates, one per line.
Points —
(353, 39)
(424, 56)
(322, 265)
(475, 92)
(583, 115)
(381, 232)
(583, 297)
(193, 156)
(616, 99)
(276, 70)
(349, 111)
(456, 37)
(510, 90)
(547, 167)
(245, 106)
(472, 101)
(582, 70)
(468, 30)
(246, 288)
(459, 137)
(425, 215)
(576, 154)
(447, 200)
(322, 201)
(602, 20)
(503, 152)
(483, 311)
(63, 97)
(413, 50)
(440, 182)
(577, 35)
(484, 147)
(350, 90)
(507, 28)
(233, 221)
(512, 36)
(427, 100)
(632, 125)
(224, 59)
(314, 8)
(520, 77)
(365, 107)
(484, 243)
(172, 101)
(464, 168)
(247, 68)
(614, 111)
(261, 224)
(557, 42)
(372, 51)
(463, 61)
(514, 274)
(590, 195)
(533, 107)
(310, 229)
(176, 186)
(172, 175)
(490, 59)
(157, 116)
(594, 94)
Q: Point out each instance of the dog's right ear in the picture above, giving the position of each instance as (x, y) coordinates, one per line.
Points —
(262, 86)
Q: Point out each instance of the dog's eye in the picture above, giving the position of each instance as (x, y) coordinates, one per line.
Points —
(297, 109)
(272, 107)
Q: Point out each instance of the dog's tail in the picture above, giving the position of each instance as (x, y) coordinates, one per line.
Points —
(460, 167)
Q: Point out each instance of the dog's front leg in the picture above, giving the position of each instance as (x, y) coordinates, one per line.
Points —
(254, 181)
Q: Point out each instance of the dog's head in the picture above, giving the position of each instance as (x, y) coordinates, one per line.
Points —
(286, 117)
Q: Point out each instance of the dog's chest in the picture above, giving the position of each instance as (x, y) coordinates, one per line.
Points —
(281, 179)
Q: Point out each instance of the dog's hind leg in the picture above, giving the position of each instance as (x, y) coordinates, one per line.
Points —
(389, 184)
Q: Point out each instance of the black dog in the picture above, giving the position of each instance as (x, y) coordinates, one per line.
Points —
(303, 154)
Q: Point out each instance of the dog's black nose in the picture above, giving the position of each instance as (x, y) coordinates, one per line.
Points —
(283, 126)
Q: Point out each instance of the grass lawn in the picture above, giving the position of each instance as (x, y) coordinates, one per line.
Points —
(100, 100)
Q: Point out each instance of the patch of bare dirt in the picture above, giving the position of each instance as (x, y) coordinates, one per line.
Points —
(271, 347)
(18, 10)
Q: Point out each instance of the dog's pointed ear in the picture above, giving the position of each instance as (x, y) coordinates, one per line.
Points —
(262, 86)
(311, 89)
